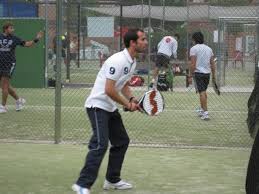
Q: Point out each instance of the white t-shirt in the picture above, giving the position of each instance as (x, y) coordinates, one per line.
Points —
(168, 46)
(118, 67)
(203, 54)
(73, 48)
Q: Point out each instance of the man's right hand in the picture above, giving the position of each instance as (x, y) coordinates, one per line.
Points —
(40, 35)
(132, 106)
(190, 80)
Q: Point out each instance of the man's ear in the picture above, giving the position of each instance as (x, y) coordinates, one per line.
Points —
(132, 42)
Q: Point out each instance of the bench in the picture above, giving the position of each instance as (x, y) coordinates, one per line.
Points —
(184, 70)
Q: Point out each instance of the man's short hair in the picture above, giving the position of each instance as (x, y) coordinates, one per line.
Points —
(7, 25)
(132, 34)
(198, 38)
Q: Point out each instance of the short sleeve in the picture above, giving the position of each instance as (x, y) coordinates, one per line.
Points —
(212, 54)
(193, 52)
(175, 47)
(112, 70)
(19, 41)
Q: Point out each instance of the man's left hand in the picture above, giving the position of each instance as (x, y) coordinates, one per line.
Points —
(134, 100)
(40, 35)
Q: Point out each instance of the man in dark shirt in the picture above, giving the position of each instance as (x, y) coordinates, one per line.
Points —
(8, 43)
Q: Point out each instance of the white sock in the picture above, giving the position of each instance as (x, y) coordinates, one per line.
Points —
(199, 109)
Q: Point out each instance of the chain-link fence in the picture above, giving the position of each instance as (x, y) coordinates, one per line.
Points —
(55, 87)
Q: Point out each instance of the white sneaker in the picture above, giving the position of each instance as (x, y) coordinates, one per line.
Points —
(205, 116)
(80, 190)
(19, 104)
(3, 109)
(121, 185)
(199, 111)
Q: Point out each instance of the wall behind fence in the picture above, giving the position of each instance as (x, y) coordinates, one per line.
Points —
(32, 66)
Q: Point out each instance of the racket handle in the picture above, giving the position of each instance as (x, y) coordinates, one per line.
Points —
(125, 109)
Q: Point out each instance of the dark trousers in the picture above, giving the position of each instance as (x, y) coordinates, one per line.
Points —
(106, 126)
(252, 177)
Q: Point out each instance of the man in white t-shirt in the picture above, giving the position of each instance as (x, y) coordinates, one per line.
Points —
(111, 87)
(166, 48)
(73, 49)
(202, 65)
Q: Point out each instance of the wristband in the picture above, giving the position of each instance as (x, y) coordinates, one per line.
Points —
(36, 40)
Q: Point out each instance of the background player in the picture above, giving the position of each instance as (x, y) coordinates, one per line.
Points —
(8, 43)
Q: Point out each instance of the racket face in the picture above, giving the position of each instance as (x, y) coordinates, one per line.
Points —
(152, 103)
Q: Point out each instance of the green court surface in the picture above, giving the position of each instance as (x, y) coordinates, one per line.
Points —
(52, 169)
(177, 125)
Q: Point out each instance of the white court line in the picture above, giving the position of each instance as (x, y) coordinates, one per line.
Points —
(223, 89)
(209, 90)
(166, 109)
(132, 144)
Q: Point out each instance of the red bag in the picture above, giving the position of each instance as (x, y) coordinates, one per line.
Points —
(136, 81)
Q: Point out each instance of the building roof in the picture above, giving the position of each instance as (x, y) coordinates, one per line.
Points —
(196, 12)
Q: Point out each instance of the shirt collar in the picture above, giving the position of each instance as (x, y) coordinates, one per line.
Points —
(129, 58)
(7, 35)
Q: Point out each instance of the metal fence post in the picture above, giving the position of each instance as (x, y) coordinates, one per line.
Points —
(58, 72)
(121, 18)
(142, 15)
(219, 53)
(47, 43)
(149, 40)
(68, 20)
(163, 20)
(79, 33)
(187, 30)
(257, 42)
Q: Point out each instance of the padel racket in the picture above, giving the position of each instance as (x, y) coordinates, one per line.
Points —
(215, 87)
(195, 84)
(214, 83)
(151, 103)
